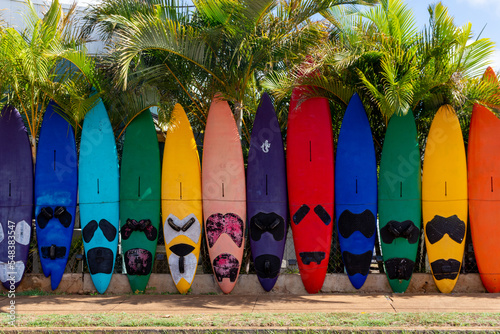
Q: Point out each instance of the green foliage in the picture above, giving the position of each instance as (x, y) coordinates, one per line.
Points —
(45, 61)
(222, 46)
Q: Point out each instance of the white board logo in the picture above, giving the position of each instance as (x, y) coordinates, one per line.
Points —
(265, 146)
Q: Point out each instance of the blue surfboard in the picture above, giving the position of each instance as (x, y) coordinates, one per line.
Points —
(98, 181)
(356, 192)
(55, 193)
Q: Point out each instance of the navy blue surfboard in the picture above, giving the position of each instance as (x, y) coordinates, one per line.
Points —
(267, 195)
(16, 197)
(55, 193)
(356, 192)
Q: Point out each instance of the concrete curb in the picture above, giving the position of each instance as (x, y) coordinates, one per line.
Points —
(247, 284)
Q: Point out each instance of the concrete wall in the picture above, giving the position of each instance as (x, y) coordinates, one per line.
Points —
(11, 12)
(247, 284)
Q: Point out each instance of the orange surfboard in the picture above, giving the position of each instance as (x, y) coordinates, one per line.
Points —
(484, 191)
(224, 195)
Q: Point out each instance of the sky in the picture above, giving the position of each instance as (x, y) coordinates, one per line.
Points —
(481, 13)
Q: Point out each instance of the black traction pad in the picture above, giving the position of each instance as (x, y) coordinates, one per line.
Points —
(448, 269)
(181, 250)
(363, 222)
(63, 215)
(439, 226)
(100, 260)
(322, 214)
(357, 263)
(53, 252)
(267, 266)
(143, 225)
(405, 229)
(138, 261)
(267, 222)
(89, 230)
(308, 257)
(399, 268)
(44, 216)
(300, 214)
(226, 266)
(108, 230)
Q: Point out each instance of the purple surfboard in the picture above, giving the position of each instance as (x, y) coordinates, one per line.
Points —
(267, 194)
(16, 196)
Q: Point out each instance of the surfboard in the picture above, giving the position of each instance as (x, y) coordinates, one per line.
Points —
(310, 174)
(140, 199)
(267, 194)
(16, 196)
(98, 181)
(56, 185)
(224, 195)
(444, 198)
(356, 192)
(484, 197)
(182, 211)
(399, 200)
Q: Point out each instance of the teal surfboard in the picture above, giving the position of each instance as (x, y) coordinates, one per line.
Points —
(400, 200)
(140, 191)
(98, 181)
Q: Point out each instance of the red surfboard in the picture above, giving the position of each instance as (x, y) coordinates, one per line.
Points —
(310, 174)
(484, 191)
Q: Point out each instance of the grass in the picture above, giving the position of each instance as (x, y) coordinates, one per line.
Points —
(262, 320)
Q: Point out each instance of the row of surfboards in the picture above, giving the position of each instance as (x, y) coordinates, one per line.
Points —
(128, 202)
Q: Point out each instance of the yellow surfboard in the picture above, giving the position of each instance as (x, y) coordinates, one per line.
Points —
(182, 213)
(444, 198)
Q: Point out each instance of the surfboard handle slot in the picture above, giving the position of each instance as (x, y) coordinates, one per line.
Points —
(492, 184)
(356, 186)
(266, 185)
(222, 189)
(10, 188)
(310, 151)
(400, 189)
(180, 190)
(445, 188)
(98, 186)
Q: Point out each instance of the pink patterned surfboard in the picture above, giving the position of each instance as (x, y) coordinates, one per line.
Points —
(224, 197)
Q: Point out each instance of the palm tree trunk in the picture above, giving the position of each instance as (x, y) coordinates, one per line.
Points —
(33, 149)
(238, 115)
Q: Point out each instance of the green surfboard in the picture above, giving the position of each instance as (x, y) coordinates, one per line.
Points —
(399, 200)
(140, 199)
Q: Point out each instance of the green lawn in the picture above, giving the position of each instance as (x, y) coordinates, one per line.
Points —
(262, 320)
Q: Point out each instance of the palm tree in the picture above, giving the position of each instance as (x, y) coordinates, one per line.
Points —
(380, 53)
(223, 46)
(43, 62)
